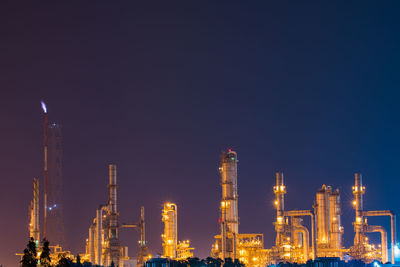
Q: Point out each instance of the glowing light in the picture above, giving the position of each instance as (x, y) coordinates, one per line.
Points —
(43, 106)
(354, 202)
(397, 251)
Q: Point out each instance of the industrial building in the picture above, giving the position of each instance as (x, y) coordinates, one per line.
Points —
(103, 246)
(173, 249)
(248, 248)
(294, 242)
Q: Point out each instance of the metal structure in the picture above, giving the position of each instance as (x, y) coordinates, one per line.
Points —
(229, 219)
(361, 248)
(329, 230)
(292, 242)
(103, 246)
(171, 248)
(143, 254)
(55, 216)
(34, 230)
(45, 171)
(249, 248)
(53, 219)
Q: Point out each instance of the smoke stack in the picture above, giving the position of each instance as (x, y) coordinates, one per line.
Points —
(113, 187)
(45, 171)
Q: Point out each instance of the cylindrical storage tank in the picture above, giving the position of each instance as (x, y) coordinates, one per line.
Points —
(335, 220)
(228, 171)
(322, 215)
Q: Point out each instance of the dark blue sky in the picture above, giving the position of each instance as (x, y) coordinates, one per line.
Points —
(160, 88)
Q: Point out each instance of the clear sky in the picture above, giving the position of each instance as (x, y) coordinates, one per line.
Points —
(161, 87)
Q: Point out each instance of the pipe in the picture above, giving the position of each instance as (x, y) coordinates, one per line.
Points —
(293, 213)
(306, 234)
(382, 231)
(392, 225)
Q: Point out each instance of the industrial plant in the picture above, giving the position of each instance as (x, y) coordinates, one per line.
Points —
(295, 241)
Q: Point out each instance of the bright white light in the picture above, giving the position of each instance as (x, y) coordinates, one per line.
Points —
(43, 107)
(397, 251)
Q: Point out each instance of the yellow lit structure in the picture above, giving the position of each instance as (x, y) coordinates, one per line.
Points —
(329, 230)
(34, 213)
(361, 248)
(248, 248)
(171, 248)
(292, 243)
(170, 235)
(103, 246)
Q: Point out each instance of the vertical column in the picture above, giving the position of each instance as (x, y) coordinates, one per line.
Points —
(279, 191)
(358, 192)
(170, 236)
(112, 187)
(229, 218)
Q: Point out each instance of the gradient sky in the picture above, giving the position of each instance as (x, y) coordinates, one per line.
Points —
(160, 88)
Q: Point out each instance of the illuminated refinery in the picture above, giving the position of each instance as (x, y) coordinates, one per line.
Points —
(171, 248)
(295, 243)
(301, 235)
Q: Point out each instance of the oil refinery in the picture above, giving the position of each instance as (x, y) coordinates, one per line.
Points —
(300, 235)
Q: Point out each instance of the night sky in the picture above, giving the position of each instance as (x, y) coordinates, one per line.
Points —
(161, 88)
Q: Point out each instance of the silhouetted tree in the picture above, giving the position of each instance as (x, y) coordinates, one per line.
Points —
(112, 264)
(195, 262)
(29, 259)
(45, 255)
(213, 262)
(238, 263)
(63, 261)
(78, 261)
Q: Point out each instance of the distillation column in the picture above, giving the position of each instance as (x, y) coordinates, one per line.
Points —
(327, 209)
(322, 216)
(34, 213)
(114, 246)
(358, 192)
(170, 236)
(280, 191)
(229, 219)
(336, 229)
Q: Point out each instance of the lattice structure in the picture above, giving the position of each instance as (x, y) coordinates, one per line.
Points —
(55, 216)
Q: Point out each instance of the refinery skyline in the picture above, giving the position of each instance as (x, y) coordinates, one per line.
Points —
(307, 89)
